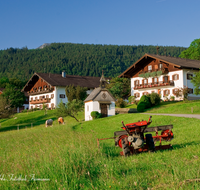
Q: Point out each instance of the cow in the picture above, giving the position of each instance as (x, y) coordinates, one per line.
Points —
(49, 122)
(61, 120)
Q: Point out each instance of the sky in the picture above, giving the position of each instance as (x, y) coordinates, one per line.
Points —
(31, 23)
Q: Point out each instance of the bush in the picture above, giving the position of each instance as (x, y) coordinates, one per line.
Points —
(95, 114)
(131, 99)
(141, 106)
(120, 103)
(154, 98)
(146, 99)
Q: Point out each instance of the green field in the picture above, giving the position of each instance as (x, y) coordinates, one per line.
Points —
(68, 156)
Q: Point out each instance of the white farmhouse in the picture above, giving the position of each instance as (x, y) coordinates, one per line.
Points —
(164, 75)
(100, 100)
(49, 89)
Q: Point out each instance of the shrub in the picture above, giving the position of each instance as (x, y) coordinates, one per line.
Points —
(146, 99)
(154, 98)
(95, 114)
(120, 103)
(131, 99)
(141, 106)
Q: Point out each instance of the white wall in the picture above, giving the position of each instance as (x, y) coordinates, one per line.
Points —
(95, 106)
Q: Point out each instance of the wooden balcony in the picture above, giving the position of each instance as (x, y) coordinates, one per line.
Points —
(40, 101)
(155, 71)
(40, 91)
(161, 84)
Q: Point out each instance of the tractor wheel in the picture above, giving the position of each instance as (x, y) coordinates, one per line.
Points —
(125, 147)
(150, 142)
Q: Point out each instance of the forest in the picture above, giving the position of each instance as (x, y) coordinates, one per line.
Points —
(76, 59)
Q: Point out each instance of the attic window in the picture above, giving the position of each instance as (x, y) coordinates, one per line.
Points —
(149, 68)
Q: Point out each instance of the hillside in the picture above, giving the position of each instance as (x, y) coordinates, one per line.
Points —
(75, 59)
(67, 156)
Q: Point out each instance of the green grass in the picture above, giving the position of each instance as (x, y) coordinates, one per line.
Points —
(68, 155)
(188, 107)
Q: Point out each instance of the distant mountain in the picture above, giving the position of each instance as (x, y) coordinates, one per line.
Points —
(44, 45)
(75, 59)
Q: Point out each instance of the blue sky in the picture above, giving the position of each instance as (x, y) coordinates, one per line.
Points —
(119, 22)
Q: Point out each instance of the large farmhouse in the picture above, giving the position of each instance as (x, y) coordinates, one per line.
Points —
(164, 75)
(49, 89)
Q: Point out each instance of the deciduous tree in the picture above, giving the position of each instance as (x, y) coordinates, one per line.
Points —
(193, 52)
(70, 109)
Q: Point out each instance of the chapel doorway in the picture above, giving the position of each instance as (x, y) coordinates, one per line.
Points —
(104, 110)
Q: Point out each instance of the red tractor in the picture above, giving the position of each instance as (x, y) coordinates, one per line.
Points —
(132, 139)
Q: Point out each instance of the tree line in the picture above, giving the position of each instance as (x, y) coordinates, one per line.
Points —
(75, 59)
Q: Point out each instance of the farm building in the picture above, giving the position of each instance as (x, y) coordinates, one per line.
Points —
(49, 89)
(164, 75)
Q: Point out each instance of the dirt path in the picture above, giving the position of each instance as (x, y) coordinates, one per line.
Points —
(197, 116)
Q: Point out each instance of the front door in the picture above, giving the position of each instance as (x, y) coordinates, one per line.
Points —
(104, 110)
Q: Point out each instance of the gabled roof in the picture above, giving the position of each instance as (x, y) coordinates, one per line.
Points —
(96, 95)
(58, 80)
(177, 62)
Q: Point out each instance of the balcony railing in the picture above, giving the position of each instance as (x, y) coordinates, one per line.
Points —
(155, 72)
(155, 84)
(40, 91)
(40, 101)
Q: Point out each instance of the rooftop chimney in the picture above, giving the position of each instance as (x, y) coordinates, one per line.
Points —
(63, 74)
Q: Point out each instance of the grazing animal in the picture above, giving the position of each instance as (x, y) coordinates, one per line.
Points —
(49, 122)
(61, 120)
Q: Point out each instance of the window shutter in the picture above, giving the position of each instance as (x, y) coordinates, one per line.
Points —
(172, 77)
(177, 77)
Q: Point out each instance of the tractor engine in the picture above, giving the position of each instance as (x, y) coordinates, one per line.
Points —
(137, 140)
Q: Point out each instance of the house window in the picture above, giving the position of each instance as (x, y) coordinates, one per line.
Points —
(87, 107)
(177, 92)
(165, 79)
(166, 92)
(190, 91)
(31, 99)
(62, 96)
(189, 76)
(160, 66)
(47, 96)
(35, 98)
(137, 83)
(47, 105)
(149, 68)
(137, 95)
(175, 77)
(155, 80)
(145, 81)
(52, 105)
(145, 93)
(52, 95)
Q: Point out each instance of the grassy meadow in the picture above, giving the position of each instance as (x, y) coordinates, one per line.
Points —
(67, 156)
(181, 107)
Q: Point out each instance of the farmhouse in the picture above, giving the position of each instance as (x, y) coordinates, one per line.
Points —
(100, 100)
(49, 89)
(164, 75)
